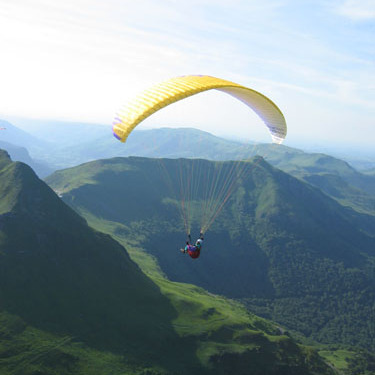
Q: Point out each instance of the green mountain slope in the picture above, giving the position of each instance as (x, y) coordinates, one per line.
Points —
(73, 302)
(291, 252)
(60, 276)
(66, 144)
(334, 176)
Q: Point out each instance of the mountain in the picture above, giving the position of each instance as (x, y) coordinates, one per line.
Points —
(67, 144)
(334, 176)
(21, 154)
(53, 141)
(66, 133)
(18, 143)
(16, 136)
(73, 302)
(288, 250)
(370, 172)
(60, 276)
(70, 144)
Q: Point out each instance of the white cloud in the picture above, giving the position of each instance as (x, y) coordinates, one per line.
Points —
(357, 10)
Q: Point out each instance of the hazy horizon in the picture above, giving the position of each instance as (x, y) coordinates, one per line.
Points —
(346, 150)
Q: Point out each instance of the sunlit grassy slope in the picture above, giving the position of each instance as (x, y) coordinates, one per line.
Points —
(224, 326)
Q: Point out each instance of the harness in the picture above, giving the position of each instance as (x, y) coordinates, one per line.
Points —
(193, 251)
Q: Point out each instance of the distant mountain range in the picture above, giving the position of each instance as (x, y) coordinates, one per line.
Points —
(73, 302)
(57, 145)
(18, 143)
(370, 172)
(16, 136)
(69, 133)
(18, 153)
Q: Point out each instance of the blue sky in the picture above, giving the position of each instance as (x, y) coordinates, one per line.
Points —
(83, 59)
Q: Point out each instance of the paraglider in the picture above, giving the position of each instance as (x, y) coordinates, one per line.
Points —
(179, 88)
(193, 250)
(175, 89)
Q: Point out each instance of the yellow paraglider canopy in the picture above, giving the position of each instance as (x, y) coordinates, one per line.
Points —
(175, 89)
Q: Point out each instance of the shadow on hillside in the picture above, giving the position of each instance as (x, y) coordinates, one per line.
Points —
(87, 287)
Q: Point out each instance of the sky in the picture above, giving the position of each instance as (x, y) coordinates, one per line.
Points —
(82, 60)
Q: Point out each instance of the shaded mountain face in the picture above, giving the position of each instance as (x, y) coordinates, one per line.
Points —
(59, 275)
(292, 252)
